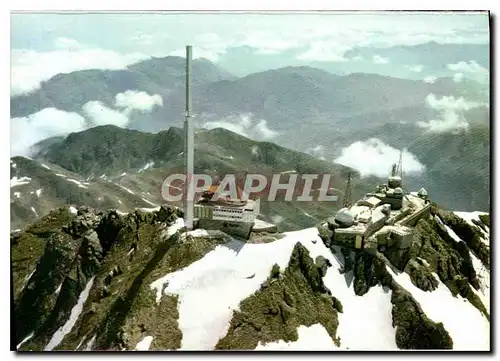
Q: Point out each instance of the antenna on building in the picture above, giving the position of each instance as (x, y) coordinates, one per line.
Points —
(347, 193)
(188, 149)
(399, 168)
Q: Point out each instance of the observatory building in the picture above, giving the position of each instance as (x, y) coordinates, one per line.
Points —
(382, 218)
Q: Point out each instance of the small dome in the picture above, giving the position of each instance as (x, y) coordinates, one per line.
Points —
(345, 217)
(398, 190)
(386, 209)
(422, 192)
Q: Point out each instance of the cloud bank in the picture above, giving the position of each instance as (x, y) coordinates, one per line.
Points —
(244, 125)
(377, 59)
(48, 122)
(430, 79)
(451, 113)
(99, 114)
(142, 101)
(467, 67)
(29, 68)
(317, 151)
(374, 157)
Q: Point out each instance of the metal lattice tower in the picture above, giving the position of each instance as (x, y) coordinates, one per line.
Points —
(399, 168)
(347, 193)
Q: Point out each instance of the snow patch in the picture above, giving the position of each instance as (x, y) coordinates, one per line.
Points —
(14, 181)
(483, 276)
(75, 313)
(90, 344)
(27, 338)
(80, 343)
(60, 175)
(128, 190)
(80, 185)
(145, 200)
(156, 209)
(73, 210)
(198, 233)
(211, 288)
(366, 321)
(17, 194)
(34, 211)
(147, 166)
(144, 344)
(469, 217)
(119, 201)
(39, 192)
(178, 224)
(310, 338)
(45, 166)
(469, 329)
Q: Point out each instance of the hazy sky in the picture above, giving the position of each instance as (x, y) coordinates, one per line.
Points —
(46, 44)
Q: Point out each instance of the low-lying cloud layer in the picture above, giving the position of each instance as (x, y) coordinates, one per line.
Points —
(48, 122)
(142, 101)
(377, 59)
(317, 151)
(99, 114)
(29, 68)
(51, 122)
(374, 157)
(244, 125)
(451, 113)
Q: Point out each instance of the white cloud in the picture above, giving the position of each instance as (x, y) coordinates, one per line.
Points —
(467, 67)
(29, 68)
(325, 51)
(374, 157)
(450, 121)
(99, 114)
(67, 44)
(450, 102)
(430, 79)
(377, 59)
(244, 125)
(451, 117)
(458, 77)
(48, 122)
(416, 68)
(133, 99)
(317, 151)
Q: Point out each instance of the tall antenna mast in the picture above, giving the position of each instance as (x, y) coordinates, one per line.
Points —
(188, 149)
(399, 172)
(347, 193)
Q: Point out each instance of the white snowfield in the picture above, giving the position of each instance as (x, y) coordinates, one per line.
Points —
(211, 288)
(481, 271)
(469, 216)
(468, 328)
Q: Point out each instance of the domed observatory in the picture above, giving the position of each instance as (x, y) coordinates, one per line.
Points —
(422, 193)
(344, 218)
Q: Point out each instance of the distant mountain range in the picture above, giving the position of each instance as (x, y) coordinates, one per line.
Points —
(111, 167)
(303, 108)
